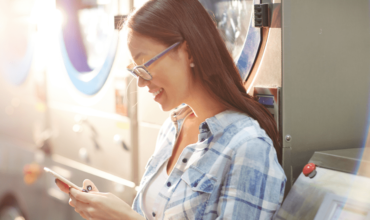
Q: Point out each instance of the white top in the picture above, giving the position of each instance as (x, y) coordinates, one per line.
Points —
(152, 190)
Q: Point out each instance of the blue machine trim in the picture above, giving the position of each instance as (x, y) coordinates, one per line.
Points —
(93, 85)
(250, 50)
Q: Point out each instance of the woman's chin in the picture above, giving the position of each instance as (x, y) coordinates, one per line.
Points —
(164, 107)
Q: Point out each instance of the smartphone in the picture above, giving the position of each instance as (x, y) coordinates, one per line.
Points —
(64, 180)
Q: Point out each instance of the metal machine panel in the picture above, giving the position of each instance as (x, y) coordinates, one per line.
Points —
(346, 160)
(337, 191)
(307, 195)
(269, 69)
(325, 80)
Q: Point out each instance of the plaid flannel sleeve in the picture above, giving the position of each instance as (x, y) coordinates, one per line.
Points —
(254, 185)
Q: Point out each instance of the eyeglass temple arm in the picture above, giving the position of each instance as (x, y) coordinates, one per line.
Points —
(147, 64)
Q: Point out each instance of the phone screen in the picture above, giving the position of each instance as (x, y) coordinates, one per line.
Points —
(61, 178)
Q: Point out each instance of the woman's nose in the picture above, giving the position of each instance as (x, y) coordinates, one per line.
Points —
(142, 82)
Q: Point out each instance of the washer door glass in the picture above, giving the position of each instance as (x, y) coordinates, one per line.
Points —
(88, 41)
(234, 22)
(17, 39)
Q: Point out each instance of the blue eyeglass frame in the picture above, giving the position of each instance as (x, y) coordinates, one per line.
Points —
(149, 62)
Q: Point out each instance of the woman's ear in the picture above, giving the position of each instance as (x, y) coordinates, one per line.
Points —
(187, 49)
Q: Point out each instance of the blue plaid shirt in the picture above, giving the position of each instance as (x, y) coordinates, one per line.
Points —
(232, 172)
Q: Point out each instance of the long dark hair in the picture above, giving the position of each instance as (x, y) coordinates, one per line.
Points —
(171, 21)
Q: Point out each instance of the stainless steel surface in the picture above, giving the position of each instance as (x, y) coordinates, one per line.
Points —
(306, 195)
(93, 145)
(266, 71)
(325, 80)
(339, 207)
(345, 160)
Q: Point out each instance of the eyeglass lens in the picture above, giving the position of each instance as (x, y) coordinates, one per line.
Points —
(142, 73)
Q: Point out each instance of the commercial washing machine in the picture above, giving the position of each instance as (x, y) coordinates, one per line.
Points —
(23, 52)
(88, 97)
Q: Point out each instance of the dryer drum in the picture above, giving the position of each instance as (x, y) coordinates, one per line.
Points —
(234, 20)
(88, 42)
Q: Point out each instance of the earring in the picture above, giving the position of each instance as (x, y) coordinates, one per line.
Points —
(192, 65)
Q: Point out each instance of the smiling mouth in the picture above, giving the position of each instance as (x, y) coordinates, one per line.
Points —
(157, 92)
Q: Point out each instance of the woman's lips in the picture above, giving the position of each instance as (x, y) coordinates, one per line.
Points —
(158, 94)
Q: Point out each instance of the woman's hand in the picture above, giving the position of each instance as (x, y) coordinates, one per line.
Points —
(62, 186)
(96, 205)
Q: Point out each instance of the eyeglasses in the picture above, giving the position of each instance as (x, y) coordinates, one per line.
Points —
(141, 71)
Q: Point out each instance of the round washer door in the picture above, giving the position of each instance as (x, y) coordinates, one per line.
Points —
(234, 22)
(88, 42)
(17, 39)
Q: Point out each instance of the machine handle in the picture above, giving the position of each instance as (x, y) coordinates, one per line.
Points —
(261, 15)
(125, 146)
(118, 140)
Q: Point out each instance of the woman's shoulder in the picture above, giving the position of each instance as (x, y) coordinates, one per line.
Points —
(237, 127)
(246, 142)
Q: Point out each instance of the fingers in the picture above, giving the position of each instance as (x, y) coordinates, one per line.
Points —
(83, 215)
(62, 186)
(85, 210)
(90, 186)
(80, 207)
(82, 196)
(71, 202)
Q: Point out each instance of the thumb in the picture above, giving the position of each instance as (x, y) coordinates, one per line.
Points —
(89, 186)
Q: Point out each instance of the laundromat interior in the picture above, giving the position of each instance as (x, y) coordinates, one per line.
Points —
(67, 101)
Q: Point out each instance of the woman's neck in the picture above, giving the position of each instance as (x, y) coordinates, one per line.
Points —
(203, 105)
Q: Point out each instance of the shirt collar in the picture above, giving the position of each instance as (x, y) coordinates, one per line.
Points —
(216, 124)
(180, 113)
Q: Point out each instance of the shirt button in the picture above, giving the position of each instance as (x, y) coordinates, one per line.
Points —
(153, 214)
(168, 184)
(201, 140)
(195, 184)
(184, 160)
(205, 149)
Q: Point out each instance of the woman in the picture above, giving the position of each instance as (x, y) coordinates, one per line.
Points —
(216, 157)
